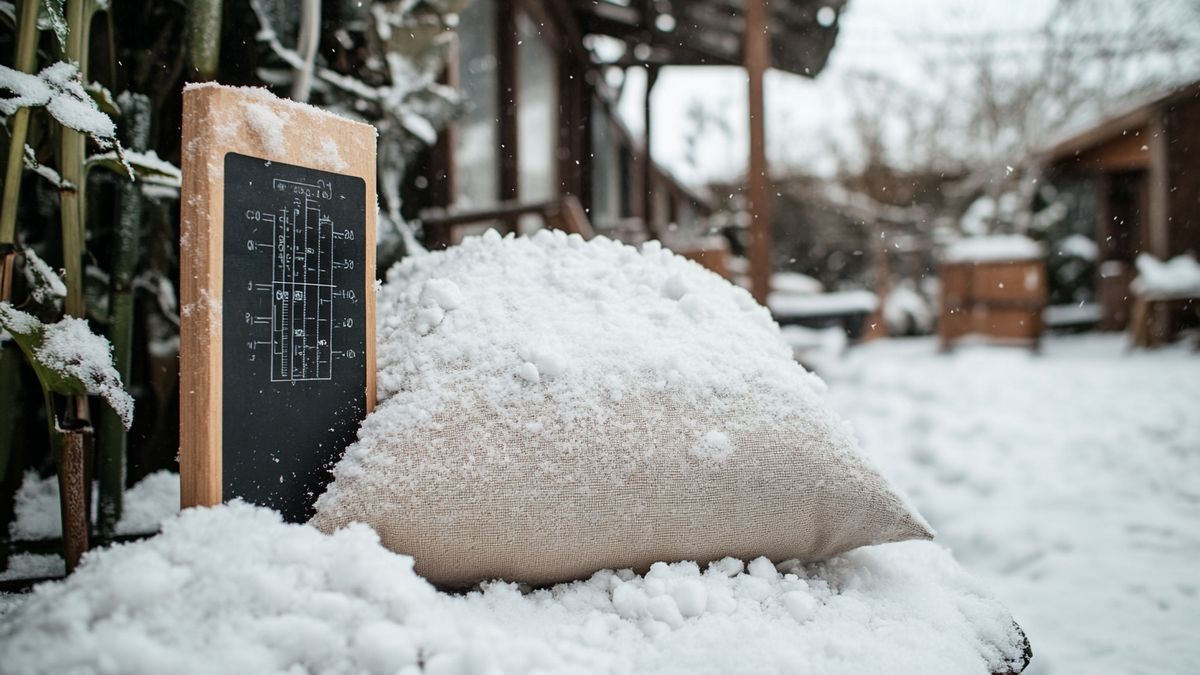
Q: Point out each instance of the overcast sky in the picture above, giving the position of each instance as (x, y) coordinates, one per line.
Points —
(892, 38)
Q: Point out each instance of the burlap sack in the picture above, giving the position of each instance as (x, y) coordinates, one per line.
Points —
(641, 431)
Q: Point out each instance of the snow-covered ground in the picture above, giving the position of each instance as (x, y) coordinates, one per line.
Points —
(1069, 481)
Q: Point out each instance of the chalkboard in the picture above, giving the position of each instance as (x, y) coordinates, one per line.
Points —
(294, 335)
(277, 314)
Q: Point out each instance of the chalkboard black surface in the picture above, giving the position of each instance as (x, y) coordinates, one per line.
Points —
(294, 337)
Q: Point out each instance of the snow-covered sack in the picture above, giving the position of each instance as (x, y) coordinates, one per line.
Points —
(235, 590)
(551, 407)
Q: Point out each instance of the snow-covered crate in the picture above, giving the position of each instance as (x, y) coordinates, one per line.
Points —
(994, 287)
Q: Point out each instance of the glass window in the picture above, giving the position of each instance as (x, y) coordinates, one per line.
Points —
(476, 152)
(604, 169)
(537, 120)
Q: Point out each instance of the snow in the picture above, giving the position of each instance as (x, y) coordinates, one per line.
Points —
(233, 589)
(15, 320)
(1066, 480)
(795, 283)
(327, 154)
(147, 504)
(994, 248)
(813, 346)
(904, 307)
(27, 90)
(71, 348)
(790, 306)
(554, 305)
(1078, 246)
(71, 105)
(1072, 314)
(44, 283)
(268, 126)
(1179, 277)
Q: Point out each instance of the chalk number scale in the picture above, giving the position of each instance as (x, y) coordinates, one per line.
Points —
(294, 335)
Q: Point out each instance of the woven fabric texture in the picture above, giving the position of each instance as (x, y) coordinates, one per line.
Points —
(474, 497)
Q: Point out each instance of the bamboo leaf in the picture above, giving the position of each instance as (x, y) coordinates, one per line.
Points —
(68, 358)
(147, 167)
(104, 99)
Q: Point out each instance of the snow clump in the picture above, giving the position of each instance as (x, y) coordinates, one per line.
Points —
(233, 589)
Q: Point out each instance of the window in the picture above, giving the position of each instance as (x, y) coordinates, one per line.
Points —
(537, 122)
(476, 152)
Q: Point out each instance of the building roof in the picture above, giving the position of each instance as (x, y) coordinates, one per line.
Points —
(1132, 118)
(709, 32)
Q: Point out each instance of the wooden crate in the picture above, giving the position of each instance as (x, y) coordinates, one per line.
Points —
(999, 300)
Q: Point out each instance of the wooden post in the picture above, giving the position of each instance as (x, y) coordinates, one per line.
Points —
(758, 184)
(508, 79)
(1157, 224)
(277, 276)
(648, 215)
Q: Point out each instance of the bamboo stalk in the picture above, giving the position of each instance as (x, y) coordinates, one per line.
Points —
(71, 156)
(73, 474)
(112, 439)
(24, 61)
(204, 37)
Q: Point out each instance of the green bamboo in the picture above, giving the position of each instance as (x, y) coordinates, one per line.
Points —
(71, 156)
(204, 37)
(24, 60)
(112, 438)
(73, 476)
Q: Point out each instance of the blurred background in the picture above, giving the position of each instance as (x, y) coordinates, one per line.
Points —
(977, 220)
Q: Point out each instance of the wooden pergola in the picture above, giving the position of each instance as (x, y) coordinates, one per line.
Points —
(795, 36)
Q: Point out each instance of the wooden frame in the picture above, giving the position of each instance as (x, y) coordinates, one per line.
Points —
(219, 120)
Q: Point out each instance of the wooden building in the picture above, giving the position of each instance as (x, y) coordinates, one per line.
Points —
(1141, 170)
(541, 121)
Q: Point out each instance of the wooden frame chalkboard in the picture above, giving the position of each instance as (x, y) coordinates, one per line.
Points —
(277, 267)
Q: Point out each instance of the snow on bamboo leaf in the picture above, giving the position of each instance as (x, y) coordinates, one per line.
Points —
(59, 88)
(44, 283)
(44, 171)
(147, 167)
(68, 358)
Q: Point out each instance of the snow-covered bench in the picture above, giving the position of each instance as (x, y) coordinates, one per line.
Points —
(1161, 291)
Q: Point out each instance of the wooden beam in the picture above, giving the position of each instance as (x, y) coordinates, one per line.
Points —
(508, 80)
(758, 185)
(1157, 225)
(648, 215)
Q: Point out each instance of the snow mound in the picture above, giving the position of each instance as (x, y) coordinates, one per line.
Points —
(994, 248)
(233, 589)
(587, 311)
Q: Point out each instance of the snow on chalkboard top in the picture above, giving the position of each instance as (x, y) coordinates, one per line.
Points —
(264, 94)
